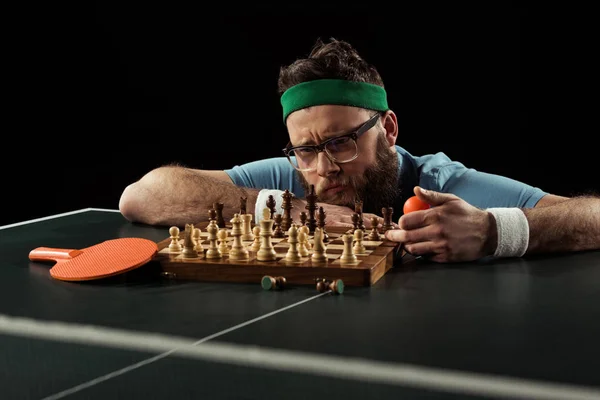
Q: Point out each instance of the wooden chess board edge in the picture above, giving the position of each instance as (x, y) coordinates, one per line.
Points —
(382, 267)
(372, 268)
(364, 274)
(254, 274)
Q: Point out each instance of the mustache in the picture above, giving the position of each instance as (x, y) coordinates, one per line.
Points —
(378, 186)
(338, 181)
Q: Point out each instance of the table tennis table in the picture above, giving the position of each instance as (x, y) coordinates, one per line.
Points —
(513, 328)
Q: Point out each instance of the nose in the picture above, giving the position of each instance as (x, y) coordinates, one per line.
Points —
(326, 166)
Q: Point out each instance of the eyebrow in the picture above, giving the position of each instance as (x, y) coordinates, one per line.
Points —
(310, 142)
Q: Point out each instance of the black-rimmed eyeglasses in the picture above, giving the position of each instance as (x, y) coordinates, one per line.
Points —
(340, 149)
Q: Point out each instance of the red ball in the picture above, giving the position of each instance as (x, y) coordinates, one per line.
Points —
(415, 204)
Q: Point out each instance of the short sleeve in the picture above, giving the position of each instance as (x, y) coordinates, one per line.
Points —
(481, 189)
(270, 173)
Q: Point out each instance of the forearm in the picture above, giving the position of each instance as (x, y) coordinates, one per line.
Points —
(177, 196)
(572, 225)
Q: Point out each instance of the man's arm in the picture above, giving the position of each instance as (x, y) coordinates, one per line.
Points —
(453, 230)
(175, 195)
(558, 224)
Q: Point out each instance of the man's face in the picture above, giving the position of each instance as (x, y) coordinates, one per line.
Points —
(371, 177)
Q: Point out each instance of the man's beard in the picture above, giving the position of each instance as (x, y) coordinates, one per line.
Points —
(378, 187)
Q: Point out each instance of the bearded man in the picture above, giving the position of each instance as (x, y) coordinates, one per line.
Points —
(342, 141)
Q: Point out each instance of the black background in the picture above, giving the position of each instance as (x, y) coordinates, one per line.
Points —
(102, 93)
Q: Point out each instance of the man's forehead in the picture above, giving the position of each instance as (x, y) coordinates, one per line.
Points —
(327, 120)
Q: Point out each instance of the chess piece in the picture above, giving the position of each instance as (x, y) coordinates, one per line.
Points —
(348, 255)
(303, 218)
(278, 232)
(302, 240)
(321, 223)
(266, 251)
(311, 206)
(271, 204)
(222, 237)
(359, 247)
(213, 249)
(305, 242)
(319, 250)
(321, 285)
(219, 209)
(358, 208)
(387, 219)
(266, 213)
(256, 243)
(355, 222)
(174, 246)
(247, 227)
(198, 240)
(273, 283)
(293, 254)
(189, 245)
(238, 251)
(286, 219)
(212, 214)
(336, 286)
(374, 234)
(243, 201)
(187, 229)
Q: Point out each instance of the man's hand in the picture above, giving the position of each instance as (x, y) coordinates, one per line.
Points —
(335, 216)
(451, 230)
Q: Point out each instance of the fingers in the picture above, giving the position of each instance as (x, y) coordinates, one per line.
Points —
(417, 245)
(412, 236)
(421, 248)
(340, 224)
(415, 219)
(396, 235)
(343, 220)
(433, 198)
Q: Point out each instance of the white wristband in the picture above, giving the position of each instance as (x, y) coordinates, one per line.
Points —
(261, 202)
(513, 231)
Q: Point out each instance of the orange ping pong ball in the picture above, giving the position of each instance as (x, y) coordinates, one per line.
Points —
(414, 204)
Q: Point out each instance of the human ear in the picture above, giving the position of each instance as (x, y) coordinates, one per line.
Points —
(390, 126)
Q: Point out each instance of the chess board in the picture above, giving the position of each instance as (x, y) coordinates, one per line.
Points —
(366, 271)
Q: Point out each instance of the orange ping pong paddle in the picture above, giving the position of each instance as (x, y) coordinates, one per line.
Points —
(101, 260)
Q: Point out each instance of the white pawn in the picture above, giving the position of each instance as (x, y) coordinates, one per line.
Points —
(359, 247)
(256, 243)
(293, 254)
(305, 242)
(302, 240)
(175, 246)
(222, 236)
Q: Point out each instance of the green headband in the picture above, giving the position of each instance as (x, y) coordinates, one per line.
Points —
(333, 91)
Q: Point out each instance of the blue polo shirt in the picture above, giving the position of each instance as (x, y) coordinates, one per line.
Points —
(434, 171)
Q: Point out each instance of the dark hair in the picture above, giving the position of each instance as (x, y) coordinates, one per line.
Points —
(334, 60)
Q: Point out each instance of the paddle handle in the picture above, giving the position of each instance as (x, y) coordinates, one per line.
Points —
(51, 253)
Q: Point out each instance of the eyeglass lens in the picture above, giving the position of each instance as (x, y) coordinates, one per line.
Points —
(341, 150)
